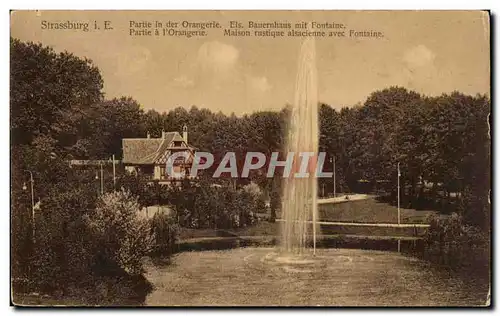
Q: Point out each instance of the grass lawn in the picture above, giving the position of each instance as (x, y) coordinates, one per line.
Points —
(273, 229)
(361, 211)
(370, 211)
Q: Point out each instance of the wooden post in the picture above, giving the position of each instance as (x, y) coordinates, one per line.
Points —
(33, 205)
(399, 211)
(102, 180)
(114, 173)
(314, 228)
(98, 188)
(334, 174)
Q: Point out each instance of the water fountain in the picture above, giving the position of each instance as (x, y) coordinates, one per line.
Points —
(290, 275)
(300, 194)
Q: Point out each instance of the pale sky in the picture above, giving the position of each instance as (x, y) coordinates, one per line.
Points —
(429, 52)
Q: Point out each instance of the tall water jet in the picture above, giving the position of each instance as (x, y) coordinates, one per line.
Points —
(300, 194)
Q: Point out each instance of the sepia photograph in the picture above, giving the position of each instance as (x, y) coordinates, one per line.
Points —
(250, 158)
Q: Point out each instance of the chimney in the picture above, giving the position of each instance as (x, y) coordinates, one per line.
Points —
(162, 134)
(149, 135)
(185, 133)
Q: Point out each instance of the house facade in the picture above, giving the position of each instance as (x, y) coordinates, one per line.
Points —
(148, 156)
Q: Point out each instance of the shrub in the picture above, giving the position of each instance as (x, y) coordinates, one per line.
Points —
(451, 241)
(254, 190)
(123, 237)
(63, 248)
(218, 207)
(92, 253)
(165, 231)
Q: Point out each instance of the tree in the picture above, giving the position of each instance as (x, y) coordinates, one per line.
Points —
(329, 142)
(107, 123)
(379, 124)
(266, 134)
(47, 90)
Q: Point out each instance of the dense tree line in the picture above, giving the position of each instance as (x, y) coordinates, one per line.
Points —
(59, 112)
(441, 141)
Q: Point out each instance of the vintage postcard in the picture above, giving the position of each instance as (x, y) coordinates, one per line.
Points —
(250, 158)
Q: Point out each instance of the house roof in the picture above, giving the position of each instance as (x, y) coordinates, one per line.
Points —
(146, 150)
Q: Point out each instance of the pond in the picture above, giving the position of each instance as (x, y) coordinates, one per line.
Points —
(234, 272)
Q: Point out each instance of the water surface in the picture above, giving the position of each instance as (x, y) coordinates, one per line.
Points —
(336, 277)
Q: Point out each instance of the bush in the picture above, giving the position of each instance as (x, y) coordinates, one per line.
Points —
(205, 205)
(87, 252)
(254, 190)
(122, 237)
(166, 231)
(62, 253)
(453, 242)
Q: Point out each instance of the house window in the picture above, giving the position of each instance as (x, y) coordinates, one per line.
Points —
(179, 160)
(162, 172)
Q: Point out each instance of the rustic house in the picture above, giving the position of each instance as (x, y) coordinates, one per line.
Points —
(148, 156)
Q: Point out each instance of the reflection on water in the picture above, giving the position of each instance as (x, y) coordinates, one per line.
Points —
(406, 246)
